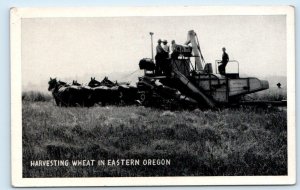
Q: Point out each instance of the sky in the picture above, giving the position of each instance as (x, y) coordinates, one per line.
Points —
(80, 48)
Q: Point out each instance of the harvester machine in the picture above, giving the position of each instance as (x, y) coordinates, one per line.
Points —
(184, 79)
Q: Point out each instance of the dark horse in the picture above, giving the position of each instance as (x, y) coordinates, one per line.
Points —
(70, 95)
(104, 82)
(108, 83)
(105, 91)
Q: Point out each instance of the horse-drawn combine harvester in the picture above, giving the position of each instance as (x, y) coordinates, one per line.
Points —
(182, 82)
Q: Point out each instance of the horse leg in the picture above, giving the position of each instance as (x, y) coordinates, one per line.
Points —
(56, 101)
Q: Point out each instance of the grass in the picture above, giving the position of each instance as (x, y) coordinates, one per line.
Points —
(243, 141)
(34, 96)
(272, 94)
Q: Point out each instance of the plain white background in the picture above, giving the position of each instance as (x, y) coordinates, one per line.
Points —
(80, 48)
(5, 162)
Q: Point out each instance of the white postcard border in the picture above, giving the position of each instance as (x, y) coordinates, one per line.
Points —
(16, 105)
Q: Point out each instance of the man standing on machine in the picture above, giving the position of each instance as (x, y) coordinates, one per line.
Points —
(159, 57)
(225, 59)
(166, 48)
(166, 61)
(173, 45)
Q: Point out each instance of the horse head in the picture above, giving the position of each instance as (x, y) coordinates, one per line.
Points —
(94, 82)
(52, 83)
(107, 82)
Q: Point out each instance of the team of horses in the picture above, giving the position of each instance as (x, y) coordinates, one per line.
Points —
(96, 92)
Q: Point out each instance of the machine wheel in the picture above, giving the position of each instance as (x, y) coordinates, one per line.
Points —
(121, 98)
(121, 95)
(142, 97)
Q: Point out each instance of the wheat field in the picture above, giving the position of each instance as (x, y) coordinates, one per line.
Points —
(229, 141)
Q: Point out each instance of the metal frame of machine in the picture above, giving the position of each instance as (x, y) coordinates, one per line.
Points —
(192, 83)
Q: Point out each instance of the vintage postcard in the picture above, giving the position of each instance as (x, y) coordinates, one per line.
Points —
(153, 96)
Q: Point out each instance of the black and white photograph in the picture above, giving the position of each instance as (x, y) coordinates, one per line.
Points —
(153, 96)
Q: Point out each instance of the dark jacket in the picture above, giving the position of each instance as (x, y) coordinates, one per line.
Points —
(225, 58)
(159, 52)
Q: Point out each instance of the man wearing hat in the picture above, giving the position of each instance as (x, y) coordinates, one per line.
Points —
(166, 61)
(159, 49)
(225, 59)
(159, 57)
(173, 45)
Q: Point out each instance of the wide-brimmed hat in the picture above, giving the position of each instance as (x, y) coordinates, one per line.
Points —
(159, 40)
(165, 41)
